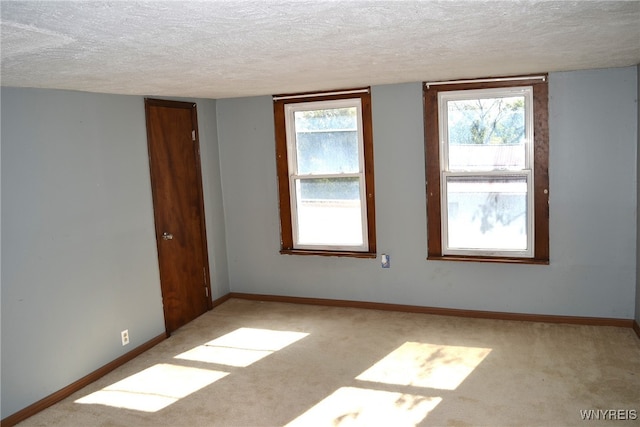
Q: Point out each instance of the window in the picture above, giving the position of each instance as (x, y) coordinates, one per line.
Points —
(486, 144)
(324, 153)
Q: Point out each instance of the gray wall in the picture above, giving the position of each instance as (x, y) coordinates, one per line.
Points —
(79, 259)
(0, 261)
(638, 199)
(79, 256)
(592, 222)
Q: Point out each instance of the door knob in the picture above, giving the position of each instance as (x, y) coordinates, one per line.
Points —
(167, 236)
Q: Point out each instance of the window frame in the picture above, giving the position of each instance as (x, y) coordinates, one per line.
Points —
(538, 200)
(288, 104)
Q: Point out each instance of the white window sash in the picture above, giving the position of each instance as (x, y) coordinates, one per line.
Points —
(290, 110)
(528, 252)
(526, 171)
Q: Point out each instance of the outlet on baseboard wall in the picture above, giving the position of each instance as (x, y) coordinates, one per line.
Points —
(125, 337)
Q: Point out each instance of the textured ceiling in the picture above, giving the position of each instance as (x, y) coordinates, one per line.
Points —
(219, 49)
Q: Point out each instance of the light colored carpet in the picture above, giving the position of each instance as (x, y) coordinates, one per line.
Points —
(250, 363)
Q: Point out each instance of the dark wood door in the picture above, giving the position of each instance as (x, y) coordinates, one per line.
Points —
(174, 158)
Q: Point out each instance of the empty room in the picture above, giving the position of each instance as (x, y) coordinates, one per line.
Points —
(252, 213)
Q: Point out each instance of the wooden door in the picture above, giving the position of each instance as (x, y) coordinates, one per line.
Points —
(174, 158)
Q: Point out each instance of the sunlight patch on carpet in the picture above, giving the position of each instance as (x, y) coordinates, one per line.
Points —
(426, 365)
(154, 388)
(242, 347)
(359, 406)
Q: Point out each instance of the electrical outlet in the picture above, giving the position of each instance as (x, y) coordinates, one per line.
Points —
(385, 261)
(125, 337)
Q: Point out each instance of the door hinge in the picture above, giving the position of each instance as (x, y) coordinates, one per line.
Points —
(204, 278)
(193, 135)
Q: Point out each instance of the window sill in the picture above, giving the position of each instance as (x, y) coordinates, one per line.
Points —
(500, 260)
(329, 253)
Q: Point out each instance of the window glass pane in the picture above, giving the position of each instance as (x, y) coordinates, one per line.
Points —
(486, 133)
(487, 213)
(327, 141)
(329, 211)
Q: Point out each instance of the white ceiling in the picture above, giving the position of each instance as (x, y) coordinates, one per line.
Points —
(219, 49)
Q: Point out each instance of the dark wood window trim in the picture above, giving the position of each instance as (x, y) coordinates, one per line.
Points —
(282, 165)
(541, 163)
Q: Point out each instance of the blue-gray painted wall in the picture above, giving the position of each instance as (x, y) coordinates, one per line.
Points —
(638, 199)
(79, 261)
(592, 129)
(78, 248)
